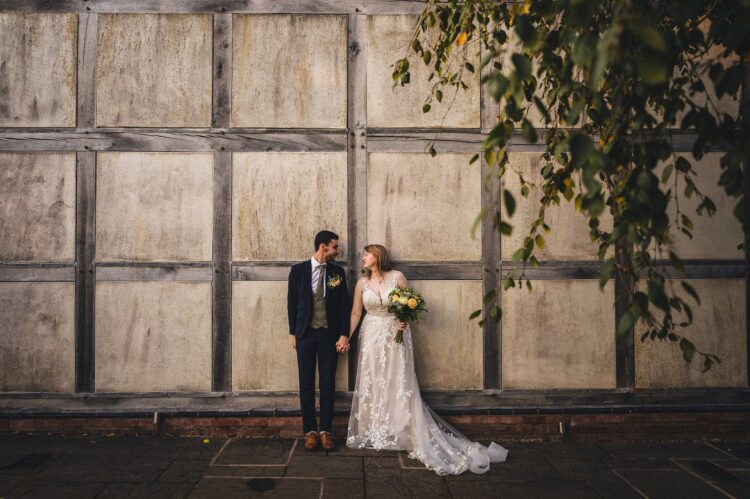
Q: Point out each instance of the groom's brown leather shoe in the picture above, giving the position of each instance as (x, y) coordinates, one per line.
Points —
(326, 441)
(311, 441)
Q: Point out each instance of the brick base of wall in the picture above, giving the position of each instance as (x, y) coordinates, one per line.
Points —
(599, 427)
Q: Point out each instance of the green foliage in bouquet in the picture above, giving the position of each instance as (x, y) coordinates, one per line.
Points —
(406, 304)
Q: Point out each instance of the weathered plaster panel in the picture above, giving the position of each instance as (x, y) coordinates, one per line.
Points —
(447, 346)
(289, 71)
(153, 336)
(714, 237)
(718, 328)
(262, 354)
(38, 70)
(569, 236)
(388, 38)
(423, 208)
(281, 200)
(561, 335)
(154, 206)
(37, 336)
(37, 207)
(154, 70)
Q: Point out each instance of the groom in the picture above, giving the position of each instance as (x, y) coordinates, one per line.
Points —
(318, 308)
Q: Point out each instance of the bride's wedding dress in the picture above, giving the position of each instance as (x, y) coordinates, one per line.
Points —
(387, 409)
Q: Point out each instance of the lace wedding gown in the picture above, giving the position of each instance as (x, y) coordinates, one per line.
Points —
(387, 409)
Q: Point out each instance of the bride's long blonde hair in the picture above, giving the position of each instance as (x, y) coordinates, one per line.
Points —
(382, 259)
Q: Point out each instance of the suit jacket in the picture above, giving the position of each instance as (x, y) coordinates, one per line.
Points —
(300, 300)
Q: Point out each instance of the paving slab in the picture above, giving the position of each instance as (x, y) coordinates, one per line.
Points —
(230, 488)
(325, 467)
(564, 490)
(229, 471)
(740, 450)
(179, 467)
(335, 488)
(45, 489)
(670, 483)
(255, 451)
(475, 488)
(162, 490)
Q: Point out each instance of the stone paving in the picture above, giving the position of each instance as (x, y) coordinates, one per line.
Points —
(165, 467)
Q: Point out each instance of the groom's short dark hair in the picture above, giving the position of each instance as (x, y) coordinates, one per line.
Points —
(325, 237)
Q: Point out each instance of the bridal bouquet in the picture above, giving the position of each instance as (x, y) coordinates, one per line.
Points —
(406, 304)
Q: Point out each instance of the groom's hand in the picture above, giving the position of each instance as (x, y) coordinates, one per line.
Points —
(294, 342)
(343, 344)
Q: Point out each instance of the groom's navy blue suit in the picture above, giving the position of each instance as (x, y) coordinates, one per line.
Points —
(317, 344)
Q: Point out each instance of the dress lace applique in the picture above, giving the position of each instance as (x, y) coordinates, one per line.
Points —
(387, 407)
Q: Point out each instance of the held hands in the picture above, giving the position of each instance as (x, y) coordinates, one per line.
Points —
(342, 345)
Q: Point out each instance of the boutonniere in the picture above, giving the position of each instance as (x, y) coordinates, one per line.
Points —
(334, 282)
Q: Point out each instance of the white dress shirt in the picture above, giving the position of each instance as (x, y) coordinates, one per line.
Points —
(318, 272)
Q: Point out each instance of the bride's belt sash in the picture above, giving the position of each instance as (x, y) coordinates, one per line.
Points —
(381, 314)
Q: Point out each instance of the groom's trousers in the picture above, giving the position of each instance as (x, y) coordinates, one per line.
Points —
(317, 346)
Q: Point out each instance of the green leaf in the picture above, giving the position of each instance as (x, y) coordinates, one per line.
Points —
(475, 314)
(433, 152)
(497, 86)
(509, 202)
(508, 283)
(496, 314)
(439, 95)
(666, 173)
(490, 296)
(606, 272)
(523, 65)
(652, 69)
(474, 159)
(505, 228)
(469, 66)
(539, 240)
(527, 129)
(688, 349)
(682, 165)
(691, 291)
(650, 36)
(426, 108)
(657, 296)
(626, 322)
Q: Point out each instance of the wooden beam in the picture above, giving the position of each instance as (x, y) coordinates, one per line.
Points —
(173, 140)
(85, 271)
(265, 271)
(222, 71)
(356, 161)
(218, 6)
(745, 116)
(490, 273)
(54, 272)
(624, 344)
(285, 403)
(87, 37)
(415, 271)
(222, 277)
(153, 273)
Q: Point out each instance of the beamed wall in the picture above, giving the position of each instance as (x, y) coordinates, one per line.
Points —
(163, 164)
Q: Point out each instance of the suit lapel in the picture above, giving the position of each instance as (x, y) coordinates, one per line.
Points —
(307, 280)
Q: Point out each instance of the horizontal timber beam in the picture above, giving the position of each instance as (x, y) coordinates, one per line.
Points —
(218, 6)
(187, 140)
(233, 404)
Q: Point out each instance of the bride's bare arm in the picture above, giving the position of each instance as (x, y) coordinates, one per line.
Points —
(356, 308)
(401, 279)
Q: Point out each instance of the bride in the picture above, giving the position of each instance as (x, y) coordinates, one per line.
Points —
(387, 409)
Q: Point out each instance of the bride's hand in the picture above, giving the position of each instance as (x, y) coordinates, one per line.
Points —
(401, 325)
